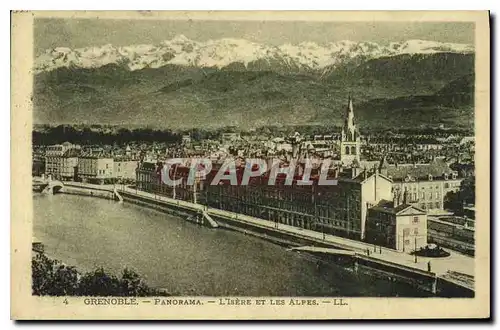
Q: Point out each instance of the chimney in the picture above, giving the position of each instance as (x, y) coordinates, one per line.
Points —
(395, 199)
(405, 196)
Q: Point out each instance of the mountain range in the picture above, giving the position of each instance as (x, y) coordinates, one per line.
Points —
(234, 53)
(182, 83)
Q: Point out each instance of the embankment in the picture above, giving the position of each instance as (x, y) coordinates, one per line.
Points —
(359, 262)
(88, 191)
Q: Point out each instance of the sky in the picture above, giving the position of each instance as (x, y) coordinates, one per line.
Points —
(78, 33)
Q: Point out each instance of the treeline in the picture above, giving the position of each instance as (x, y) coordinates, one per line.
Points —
(52, 278)
(62, 133)
(97, 134)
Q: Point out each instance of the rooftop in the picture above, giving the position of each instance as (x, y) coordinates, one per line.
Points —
(437, 168)
(386, 206)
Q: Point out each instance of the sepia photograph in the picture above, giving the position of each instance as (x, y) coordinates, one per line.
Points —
(250, 162)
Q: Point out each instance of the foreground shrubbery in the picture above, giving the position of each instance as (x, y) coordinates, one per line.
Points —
(52, 278)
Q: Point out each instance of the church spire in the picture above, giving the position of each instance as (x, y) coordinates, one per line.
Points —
(349, 124)
(350, 139)
(349, 105)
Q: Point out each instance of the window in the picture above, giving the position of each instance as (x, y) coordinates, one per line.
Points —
(415, 219)
(347, 149)
(407, 242)
(406, 231)
(446, 185)
(415, 231)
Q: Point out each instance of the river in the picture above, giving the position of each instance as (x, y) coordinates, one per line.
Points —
(184, 258)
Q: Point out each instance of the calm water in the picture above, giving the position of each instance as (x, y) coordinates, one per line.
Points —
(184, 258)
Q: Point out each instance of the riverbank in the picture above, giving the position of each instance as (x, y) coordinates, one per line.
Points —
(74, 189)
(187, 259)
(389, 265)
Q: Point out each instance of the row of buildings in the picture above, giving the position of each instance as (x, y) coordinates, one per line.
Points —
(67, 161)
(377, 202)
(361, 206)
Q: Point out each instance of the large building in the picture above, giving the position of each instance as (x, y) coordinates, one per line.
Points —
(336, 209)
(397, 225)
(95, 168)
(149, 178)
(60, 149)
(427, 184)
(61, 160)
(124, 168)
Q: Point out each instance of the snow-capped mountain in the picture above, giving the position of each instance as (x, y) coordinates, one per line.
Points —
(224, 52)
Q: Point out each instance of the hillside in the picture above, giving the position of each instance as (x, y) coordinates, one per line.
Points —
(452, 105)
(422, 87)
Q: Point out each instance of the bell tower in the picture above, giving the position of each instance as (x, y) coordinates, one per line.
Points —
(350, 140)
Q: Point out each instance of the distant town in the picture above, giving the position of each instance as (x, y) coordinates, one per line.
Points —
(397, 189)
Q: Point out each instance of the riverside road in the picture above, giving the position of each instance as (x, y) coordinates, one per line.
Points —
(187, 259)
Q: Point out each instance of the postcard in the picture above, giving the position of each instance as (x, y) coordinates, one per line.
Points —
(250, 165)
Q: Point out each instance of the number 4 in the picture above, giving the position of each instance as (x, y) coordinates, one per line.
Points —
(65, 301)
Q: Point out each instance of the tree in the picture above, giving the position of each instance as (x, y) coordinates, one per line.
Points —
(466, 195)
(468, 190)
(98, 283)
(452, 201)
(131, 284)
(52, 278)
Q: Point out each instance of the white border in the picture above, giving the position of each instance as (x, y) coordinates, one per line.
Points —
(187, 5)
